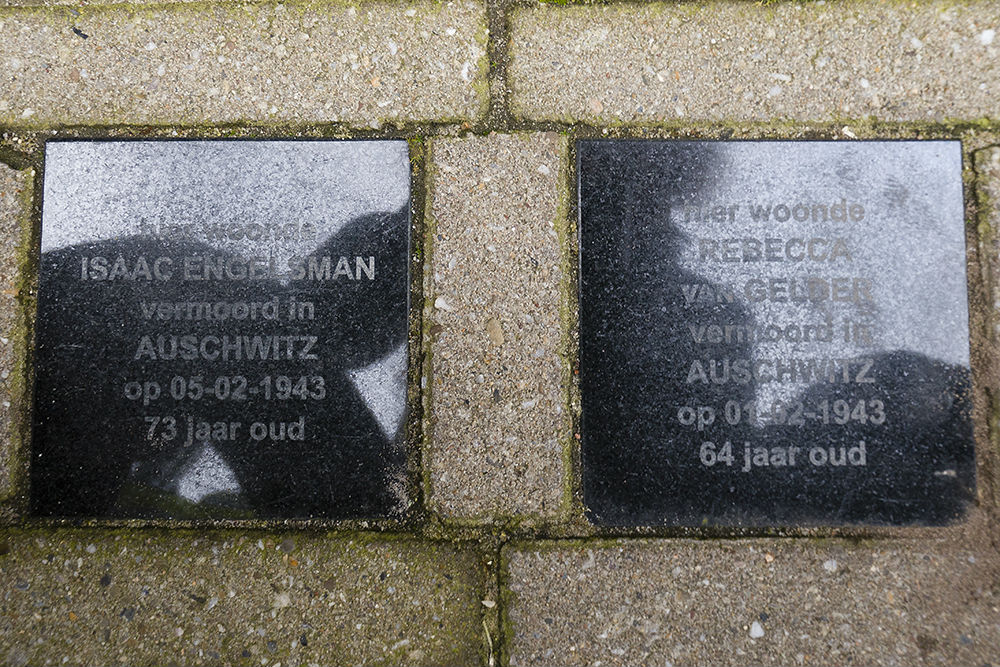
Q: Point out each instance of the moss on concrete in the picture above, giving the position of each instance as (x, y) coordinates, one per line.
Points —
(985, 189)
(224, 597)
(570, 522)
(566, 229)
(416, 361)
(19, 334)
(427, 329)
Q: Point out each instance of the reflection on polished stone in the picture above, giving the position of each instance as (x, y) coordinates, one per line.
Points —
(774, 333)
(222, 330)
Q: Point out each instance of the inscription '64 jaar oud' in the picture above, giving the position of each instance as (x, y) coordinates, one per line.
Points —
(747, 356)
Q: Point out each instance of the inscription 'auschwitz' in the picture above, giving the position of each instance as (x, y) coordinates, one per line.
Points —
(747, 354)
(238, 312)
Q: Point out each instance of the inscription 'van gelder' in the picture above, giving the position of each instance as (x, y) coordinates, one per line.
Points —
(747, 355)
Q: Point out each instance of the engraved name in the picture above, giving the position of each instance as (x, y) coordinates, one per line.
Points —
(773, 250)
(229, 267)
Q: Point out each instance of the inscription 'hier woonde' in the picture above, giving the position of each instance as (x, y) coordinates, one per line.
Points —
(761, 339)
(243, 329)
(834, 255)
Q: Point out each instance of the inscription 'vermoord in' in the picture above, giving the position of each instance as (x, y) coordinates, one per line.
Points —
(774, 333)
(222, 330)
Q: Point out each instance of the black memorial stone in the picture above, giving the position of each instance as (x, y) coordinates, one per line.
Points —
(222, 330)
(774, 333)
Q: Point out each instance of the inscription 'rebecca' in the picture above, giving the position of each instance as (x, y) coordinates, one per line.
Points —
(815, 249)
(773, 333)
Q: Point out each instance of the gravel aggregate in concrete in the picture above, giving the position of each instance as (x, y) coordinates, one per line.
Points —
(365, 65)
(14, 188)
(738, 61)
(151, 597)
(759, 601)
(495, 282)
(85, 3)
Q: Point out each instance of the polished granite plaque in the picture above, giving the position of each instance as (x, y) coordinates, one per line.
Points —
(222, 330)
(774, 333)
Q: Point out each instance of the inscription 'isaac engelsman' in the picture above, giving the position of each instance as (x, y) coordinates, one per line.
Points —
(210, 267)
(242, 328)
(780, 375)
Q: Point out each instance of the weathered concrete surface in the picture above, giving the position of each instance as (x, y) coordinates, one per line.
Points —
(81, 3)
(495, 286)
(321, 62)
(14, 202)
(138, 597)
(906, 61)
(761, 601)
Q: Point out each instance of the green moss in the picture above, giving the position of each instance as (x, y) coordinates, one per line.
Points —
(417, 359)
(481, 82)
(508, 598)
(179, 564)
(565, 227)
(21, 337)
(426, 381)
(13, 158)
(986, 234)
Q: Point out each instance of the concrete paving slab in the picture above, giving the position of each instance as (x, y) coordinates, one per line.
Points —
(496, 285)
(15, 200)
(759, 601)
(152, 597)
(366, 65)
(738, 61)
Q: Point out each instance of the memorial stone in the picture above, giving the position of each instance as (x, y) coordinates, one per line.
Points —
(222, 330)
(774, 333)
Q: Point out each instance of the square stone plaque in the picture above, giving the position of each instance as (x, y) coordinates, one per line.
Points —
(222, 330)
(774, 333)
